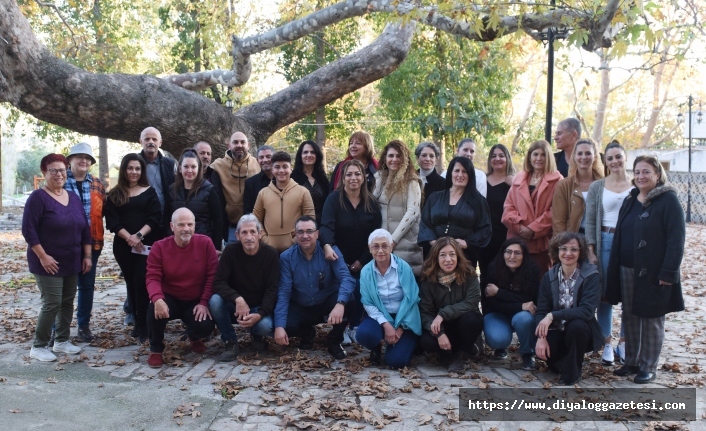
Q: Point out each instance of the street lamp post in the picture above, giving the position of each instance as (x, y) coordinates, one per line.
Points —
(550, 36)
(699, 118)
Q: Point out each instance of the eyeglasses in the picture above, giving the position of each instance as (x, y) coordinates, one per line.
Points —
(307, 232)
(509, 252)
(378, 247)
(564, 249)
(56, 171)
(82, 157)
(321, 281)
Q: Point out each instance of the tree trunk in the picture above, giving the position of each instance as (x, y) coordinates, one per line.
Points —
(120, 106)
(658, 99)
(321, 112)
(602, 107)
(103, 162)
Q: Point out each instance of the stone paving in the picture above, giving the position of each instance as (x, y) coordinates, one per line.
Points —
(285, 388)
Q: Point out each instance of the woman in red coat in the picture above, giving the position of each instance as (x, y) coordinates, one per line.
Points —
(527, 212)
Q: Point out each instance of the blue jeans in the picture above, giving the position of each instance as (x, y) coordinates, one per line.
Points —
(398, 355)
(223, 314)
(498, 328)
(231, 235)
(604, 314)
(86, 287)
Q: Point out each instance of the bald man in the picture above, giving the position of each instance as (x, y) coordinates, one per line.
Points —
(567, 133)
(160, 170)
(180, 273)
(229, 175)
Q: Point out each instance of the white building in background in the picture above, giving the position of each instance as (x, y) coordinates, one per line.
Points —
(676, 160)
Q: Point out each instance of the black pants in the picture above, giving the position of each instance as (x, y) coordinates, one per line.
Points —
(301, 319)
(462, 333)
(567, 348)
(134, 267)
(183, 310)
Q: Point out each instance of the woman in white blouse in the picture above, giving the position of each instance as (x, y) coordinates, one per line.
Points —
(399, 193)
(603, 203)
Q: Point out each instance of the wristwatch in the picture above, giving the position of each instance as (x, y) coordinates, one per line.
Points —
(139, 235)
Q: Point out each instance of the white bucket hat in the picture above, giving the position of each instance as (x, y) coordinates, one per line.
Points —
(81, 148)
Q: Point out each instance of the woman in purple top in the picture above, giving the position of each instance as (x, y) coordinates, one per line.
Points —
(59, 239)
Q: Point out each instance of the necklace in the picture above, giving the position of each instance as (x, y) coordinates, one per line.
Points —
(535, 180)
(52, 191)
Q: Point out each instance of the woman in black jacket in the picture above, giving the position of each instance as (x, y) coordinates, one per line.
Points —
(644, 267)
(190, 190)
(510, 300)
(568, 297)
(350, 215)
(427, 153)
(450, 294)
(459, 212)
(309, 172)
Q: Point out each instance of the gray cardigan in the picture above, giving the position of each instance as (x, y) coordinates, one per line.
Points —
(594, 218)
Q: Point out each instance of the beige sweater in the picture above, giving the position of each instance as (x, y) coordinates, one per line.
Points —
(278, 210)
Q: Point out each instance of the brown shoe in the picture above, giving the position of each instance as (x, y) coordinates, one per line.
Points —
(198, 346)
(155, 360)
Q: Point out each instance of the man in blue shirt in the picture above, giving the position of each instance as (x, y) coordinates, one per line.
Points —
(312, 290)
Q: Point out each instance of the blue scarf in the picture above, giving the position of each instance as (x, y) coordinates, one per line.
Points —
(408, 315)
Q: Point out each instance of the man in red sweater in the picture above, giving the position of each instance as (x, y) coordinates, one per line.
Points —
(180, 272)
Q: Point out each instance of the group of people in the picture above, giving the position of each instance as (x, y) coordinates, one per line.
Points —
(383, 251)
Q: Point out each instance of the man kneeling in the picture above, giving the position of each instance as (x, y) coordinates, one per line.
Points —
(312, 290)
(245, 288)
(180, 272)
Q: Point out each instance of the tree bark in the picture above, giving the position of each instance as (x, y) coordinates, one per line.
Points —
(103, 162)
(120, 106)
(602, 107)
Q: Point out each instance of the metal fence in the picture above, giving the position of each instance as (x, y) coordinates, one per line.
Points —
(679, 180)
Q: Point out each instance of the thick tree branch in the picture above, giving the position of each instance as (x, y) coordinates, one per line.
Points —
(532, 23)
(330, 82)
(114, 106)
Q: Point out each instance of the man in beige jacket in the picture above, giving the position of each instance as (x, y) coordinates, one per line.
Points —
(229, 175)
(281, 203)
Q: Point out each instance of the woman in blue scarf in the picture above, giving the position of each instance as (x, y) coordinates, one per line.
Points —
(390, 296)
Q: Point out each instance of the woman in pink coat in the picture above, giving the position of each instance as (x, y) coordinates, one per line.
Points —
(527, 212)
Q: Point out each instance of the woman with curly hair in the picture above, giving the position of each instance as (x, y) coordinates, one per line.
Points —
(309, 172)
(510, 300)
(569, 202)
(399, 193)
(361, 148)
(450, 293)
(568, 297)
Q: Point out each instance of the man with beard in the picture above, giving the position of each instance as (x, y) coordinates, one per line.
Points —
(180, 272)
(203, 150)
(229, 175)
(254, 184)
(245, 288)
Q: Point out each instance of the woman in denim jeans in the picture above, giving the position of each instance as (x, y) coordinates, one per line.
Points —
(603, 203)
(510, 300)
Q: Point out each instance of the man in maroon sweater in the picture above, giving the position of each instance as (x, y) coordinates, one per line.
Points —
(180, 272)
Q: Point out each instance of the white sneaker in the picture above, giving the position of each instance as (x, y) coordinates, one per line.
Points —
(352, 333)
(346, 338)
(42, 354)
(608, 355)
(66, 347)
(620, 351)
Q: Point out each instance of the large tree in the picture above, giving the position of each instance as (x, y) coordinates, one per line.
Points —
(119, 106)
